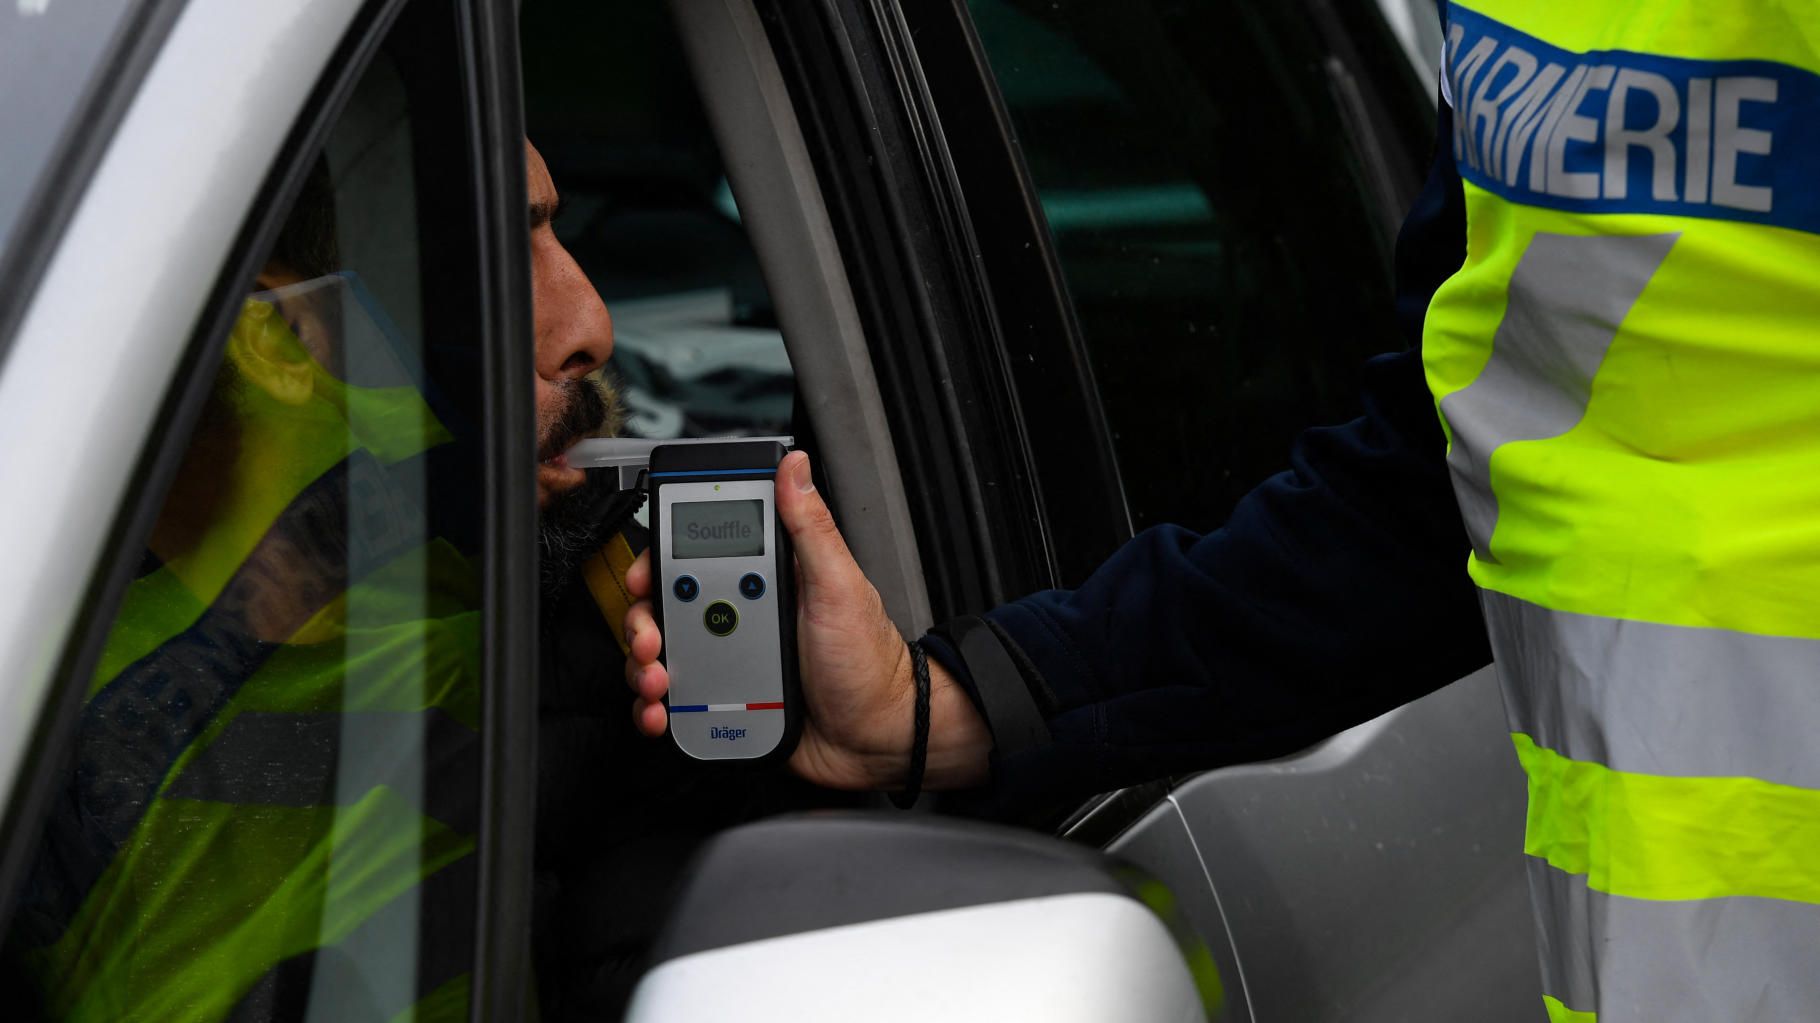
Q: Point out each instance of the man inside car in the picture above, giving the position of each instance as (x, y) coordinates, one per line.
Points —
(220, 783)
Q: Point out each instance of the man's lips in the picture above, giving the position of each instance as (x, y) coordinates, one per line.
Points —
(556, 472)
(555, 452)
(557, 476)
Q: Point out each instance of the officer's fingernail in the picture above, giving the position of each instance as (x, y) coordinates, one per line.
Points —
(801, 476)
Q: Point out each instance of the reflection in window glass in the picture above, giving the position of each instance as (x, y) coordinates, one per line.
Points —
(272, 797)
(1224, 241)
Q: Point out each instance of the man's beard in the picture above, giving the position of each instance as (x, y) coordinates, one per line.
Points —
(577, 524)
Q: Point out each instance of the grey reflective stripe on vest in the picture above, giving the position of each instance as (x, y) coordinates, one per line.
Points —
(1567, 297)
(1658, 699)
(1740, 960)
(323, 759)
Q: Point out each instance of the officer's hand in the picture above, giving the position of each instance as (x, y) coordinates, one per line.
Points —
(856, 672)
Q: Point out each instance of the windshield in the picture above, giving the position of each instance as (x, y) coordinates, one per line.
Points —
(50, 51)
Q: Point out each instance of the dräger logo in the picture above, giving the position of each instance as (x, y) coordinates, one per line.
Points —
(1618, 131)
(726, 733)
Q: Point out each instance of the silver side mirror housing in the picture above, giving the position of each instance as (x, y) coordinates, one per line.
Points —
(867, 917)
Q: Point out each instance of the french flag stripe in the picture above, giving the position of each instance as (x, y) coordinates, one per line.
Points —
(721, 708)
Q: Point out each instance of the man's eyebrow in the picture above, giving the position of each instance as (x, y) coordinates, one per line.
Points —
(543, 211)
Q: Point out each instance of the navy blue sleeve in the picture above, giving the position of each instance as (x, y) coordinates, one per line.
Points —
(1336, 591)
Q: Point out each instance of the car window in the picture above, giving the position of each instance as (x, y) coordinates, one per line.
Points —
(50, 51)
(611, 105)
(1213, 177)
(650, 217)
(269, 804)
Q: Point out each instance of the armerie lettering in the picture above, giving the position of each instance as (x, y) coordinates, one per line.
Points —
(1618, 131)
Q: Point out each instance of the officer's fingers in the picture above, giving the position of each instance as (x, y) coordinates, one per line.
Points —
(638, 577)
(650, 717)
(650, 682)
(642, 635)
(821, 555)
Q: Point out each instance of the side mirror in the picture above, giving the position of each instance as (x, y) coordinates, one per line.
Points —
(870, 917)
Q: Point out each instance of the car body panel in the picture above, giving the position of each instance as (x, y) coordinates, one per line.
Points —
(1160, 843)
(1380, 875)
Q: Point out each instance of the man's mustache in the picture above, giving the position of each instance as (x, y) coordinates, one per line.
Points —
(585, 411)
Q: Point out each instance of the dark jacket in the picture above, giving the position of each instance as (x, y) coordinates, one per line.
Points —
(1336, 591)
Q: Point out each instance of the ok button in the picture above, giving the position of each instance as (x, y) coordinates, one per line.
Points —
(720, 618)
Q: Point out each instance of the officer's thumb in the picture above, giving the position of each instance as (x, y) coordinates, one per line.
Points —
(822, 557)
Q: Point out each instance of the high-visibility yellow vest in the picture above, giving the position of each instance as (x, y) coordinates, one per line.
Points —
(250, 816)
(1627, 367)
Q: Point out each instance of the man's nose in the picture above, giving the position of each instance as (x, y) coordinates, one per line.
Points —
(574, 329)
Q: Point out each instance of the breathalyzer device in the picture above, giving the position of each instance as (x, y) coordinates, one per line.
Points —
(723, 584)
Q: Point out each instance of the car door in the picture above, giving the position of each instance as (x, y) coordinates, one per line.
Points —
(948, 369)
(909, 274)
(269, 569)
(275, 741)
(1151, 238)
(1223, 311)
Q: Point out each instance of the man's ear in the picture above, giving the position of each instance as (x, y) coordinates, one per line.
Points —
(269, 355)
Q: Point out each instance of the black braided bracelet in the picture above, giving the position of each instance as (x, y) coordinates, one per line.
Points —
(919, 749)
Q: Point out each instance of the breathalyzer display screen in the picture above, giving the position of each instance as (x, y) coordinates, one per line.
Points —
(717, 529)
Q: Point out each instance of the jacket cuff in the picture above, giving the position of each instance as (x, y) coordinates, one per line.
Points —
(1002, 682)
(1010, 692)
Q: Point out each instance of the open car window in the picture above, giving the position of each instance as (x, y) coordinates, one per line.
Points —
(651, 218)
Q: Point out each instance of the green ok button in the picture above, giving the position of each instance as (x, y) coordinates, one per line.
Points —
(720, 618)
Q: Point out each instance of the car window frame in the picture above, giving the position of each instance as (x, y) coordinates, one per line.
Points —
(488, 57)
(901, 229)
(1372, 92)
(1073, 461)
(502, 957)
(906, 159)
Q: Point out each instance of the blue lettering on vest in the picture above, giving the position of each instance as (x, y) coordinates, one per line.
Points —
(1612, 131)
